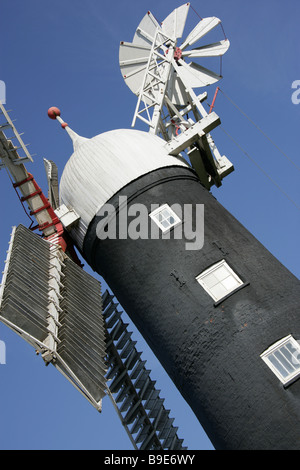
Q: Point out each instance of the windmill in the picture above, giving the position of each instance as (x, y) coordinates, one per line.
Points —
(59, 309)
(216, 315)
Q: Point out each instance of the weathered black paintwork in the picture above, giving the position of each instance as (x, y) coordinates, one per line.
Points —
(211, 352)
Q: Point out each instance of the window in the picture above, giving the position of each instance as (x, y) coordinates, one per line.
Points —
(165, 218)
(283, 358)
(219, 280)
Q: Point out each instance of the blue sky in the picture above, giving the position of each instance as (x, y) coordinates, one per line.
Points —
(65, 53)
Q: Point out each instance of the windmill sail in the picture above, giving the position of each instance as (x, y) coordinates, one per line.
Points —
(52, 178)
(56, 307)
(139, 405)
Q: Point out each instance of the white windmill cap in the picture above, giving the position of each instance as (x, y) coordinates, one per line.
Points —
(101, 166)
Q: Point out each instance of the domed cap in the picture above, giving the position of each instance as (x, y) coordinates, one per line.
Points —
(103, 165)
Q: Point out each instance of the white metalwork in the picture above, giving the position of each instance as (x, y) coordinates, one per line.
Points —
(155, 69)
(10, 125)
(155, 82)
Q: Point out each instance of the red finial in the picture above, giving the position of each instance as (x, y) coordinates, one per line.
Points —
(53, 112)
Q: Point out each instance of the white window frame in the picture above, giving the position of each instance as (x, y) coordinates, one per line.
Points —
(160, 209)
(276, 347)
(201, 279)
